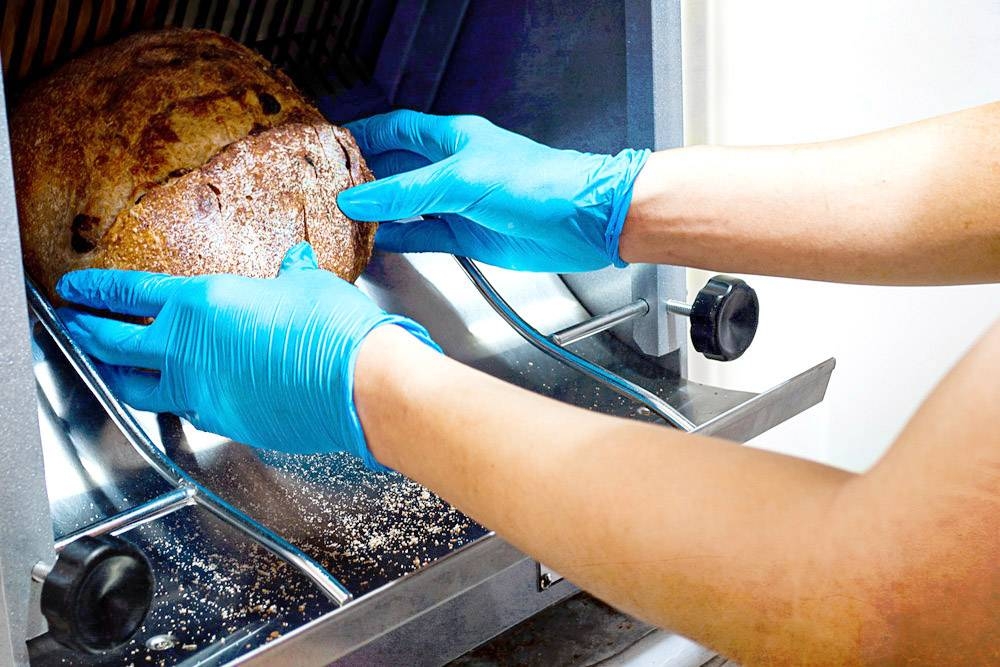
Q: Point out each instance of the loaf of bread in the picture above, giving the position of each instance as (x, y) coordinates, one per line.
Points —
(180, 151)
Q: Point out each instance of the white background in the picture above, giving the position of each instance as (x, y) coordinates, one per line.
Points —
(781, 71)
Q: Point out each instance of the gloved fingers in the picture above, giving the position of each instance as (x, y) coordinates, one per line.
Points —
(427, 190)
(430, 136)
(391, 163)
(126, 292)
(419, 236)
(140, 389)
(300, 257)
(113, 342)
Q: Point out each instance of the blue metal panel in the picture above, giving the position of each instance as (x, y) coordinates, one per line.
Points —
(584, 75)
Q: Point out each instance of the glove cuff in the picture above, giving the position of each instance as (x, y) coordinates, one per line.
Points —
(357, 432)
(632, 162)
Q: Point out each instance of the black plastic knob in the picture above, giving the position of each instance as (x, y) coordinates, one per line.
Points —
(97, 593)
(724, 318)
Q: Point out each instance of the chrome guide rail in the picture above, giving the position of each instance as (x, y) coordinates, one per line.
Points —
(169, 470)
(597, 373)
(150, 511)
(739, 423)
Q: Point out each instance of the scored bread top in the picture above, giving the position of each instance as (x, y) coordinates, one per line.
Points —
(288, 177)
(96, 142)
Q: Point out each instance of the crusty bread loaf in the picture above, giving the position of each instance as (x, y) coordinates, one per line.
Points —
(184, 152)
(245, 207)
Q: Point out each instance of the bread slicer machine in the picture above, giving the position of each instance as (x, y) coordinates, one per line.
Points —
(131, 538)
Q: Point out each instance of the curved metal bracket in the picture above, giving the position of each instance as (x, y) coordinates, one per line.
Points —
(597, 373)
(751, 417)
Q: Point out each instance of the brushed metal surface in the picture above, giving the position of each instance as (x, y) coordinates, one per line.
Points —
(370, 530)
(25, 529)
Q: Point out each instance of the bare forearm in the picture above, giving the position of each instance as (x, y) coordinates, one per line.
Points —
(918, 204)
(693, 533)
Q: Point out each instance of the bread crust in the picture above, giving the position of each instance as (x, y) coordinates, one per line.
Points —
(286, 178)
(183, 152)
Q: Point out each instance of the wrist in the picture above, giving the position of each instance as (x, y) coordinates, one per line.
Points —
(392, 364)
(647, 207)
(630, 165)
(680, 202)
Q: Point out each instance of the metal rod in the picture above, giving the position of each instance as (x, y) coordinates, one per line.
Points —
(162, 463)
(679, 307)
(136, 516)
(602, 375)
(599, 323)
(40, 571)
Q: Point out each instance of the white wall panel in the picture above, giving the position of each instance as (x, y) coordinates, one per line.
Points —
(782, 71)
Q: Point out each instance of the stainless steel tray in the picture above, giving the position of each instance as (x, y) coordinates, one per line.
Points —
(362, 567)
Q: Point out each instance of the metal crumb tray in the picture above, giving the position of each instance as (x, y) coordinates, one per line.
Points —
(265, 556)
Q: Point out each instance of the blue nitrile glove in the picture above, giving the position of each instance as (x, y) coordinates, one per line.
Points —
(269, 363)
(494, 195)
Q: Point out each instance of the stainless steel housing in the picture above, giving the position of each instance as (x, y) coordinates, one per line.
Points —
(264, 557)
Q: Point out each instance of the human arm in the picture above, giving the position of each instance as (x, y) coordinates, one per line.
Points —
(918, 204)
(766, 558)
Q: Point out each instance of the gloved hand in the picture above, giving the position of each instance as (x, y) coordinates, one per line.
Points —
(494, 195)
(269, 363)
